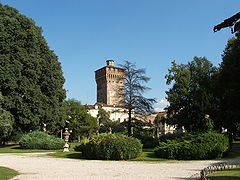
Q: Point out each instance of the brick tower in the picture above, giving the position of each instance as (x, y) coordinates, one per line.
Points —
(110, 84)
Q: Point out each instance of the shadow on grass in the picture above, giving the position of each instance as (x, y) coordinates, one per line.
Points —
(234, 152)
(149, 153)
(74, 156)
(70, 155)
(17, 147)
(7, 145)
(224, 178)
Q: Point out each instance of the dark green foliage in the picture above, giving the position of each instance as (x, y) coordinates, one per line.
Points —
(192, 96)
(145, 132)
(194, 146)
(106, 124)
(31, 79)
(6, 125)
(174, 136)
(229, 86)
(115, 126)
(40, 140)
(149, 141)
(80, 121)
(110, 146)
(103, 116)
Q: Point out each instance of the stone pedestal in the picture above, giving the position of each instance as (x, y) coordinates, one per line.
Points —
(66, 138)
(66, 147)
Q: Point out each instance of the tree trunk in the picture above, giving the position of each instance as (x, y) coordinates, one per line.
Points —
(129, 121)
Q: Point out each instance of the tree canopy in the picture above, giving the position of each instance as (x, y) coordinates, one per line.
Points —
(80, 121)
(229, 86)
(133, 91)
(191, 96)
(31, 78)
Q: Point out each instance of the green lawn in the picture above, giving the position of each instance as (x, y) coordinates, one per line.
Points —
(149, 156)
(7, 173)
(235, 151)
(17, 149)
(231, 174)
(146, 156)
(72, 154)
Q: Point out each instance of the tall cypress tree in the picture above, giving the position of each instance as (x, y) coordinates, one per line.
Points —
(31, 78)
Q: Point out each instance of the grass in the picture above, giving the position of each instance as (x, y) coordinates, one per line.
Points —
(146, 156)
(235, 151)
(72, 154)
(149, 156)
(7, 173)
(230, 174)
(17, 149)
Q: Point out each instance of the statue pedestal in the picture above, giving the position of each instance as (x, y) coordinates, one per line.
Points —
(66, 148)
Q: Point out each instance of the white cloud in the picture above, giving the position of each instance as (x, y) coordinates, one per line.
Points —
(159, 106)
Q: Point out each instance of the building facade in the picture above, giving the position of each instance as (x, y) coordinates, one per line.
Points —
(110, 84)
(116, 113)
(158, 119)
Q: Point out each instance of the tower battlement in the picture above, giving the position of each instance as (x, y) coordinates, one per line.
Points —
(110, 84)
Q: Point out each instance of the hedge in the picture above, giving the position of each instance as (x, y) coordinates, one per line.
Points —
(209, 145)
(110, 147)
(40, 140)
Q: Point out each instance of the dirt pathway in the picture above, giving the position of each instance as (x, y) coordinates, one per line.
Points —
(32, 167)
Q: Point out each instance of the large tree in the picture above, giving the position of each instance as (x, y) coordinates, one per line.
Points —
(229, 86)
(6, 123)
(81, 123)
(31, 78)
(191, 96)
(133, 92)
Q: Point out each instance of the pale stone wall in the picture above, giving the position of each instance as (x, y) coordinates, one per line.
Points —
(116, 113)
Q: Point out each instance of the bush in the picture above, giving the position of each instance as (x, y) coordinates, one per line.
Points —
(40, 140)
(110, 146)
(174, 136)
(194, 146)
(147, 139)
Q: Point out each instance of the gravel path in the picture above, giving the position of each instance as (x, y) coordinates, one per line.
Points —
(33, 167)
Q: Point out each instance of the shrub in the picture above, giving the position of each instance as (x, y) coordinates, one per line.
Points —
(194, 146)
(40, 140)
(174, 136)
(110, 146)
(145, 135)
(149, 142)
(147, 139)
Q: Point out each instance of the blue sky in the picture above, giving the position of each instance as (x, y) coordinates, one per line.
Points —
(151, 33)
